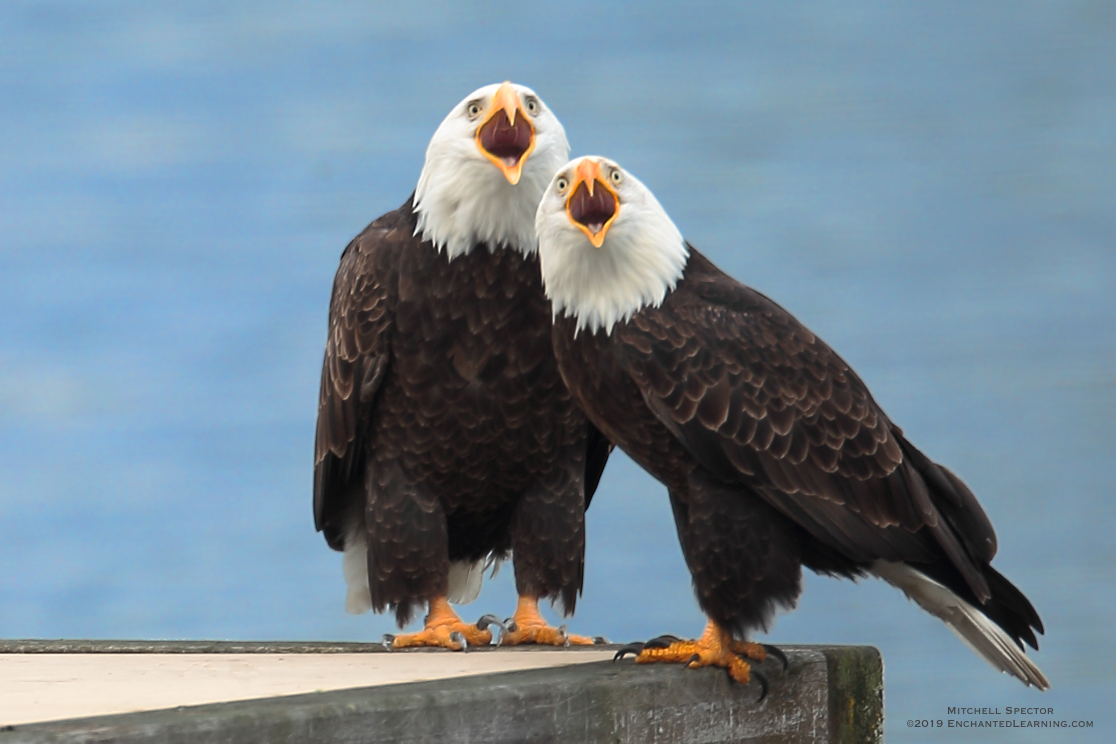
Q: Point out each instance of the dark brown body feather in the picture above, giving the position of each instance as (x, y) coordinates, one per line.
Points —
(444, 428)
(775, 455)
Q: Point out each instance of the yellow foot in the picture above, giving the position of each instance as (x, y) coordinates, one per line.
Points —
(749, 650)
(444, 629)
(528, 626)
(758, 652)
(715, 648)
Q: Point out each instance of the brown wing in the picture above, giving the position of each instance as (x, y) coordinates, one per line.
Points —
(756, 397)
(357, 357)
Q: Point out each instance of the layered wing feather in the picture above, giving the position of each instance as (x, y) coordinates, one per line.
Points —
(357, 357)
(757, 398)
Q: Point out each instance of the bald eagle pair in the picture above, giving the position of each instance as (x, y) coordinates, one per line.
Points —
(495, 336)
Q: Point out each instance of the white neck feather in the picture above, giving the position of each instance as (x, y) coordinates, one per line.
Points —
(642, 259)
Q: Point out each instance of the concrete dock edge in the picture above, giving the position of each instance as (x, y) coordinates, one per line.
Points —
(827, 694)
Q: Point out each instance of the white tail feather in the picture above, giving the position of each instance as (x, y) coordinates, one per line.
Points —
(972, 626)
(465, 580)
(354, 563)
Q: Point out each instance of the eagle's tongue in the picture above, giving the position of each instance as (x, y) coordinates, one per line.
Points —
(592, 211)
(506, 141)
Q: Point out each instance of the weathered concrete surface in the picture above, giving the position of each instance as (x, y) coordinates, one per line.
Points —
(829, 694)
(45, 687)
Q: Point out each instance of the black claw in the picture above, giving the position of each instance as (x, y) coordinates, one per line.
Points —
(565, 634)
(488, 621)
(511, 625)
(773, 651)
(762, 679)
(388, 640)
(662, 641)
(632, 648)
(458, 637)
(692, 659)
(600, 640)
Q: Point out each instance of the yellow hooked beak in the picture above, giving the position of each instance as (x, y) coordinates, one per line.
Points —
(503, 139)
(592, 204)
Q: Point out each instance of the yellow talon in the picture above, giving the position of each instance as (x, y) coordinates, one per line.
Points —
(754, 651)
(531, 627)
(442, 623)
(715, 648)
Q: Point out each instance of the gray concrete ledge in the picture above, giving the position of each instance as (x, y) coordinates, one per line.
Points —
(77, 646)
(37, 646)
(828, 694)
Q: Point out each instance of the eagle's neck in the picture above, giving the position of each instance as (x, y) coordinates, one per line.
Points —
(462, 200)
(642, 259)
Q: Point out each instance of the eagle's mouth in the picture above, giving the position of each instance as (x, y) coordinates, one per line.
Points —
(505, 141)
(507, 135)
(592, 211)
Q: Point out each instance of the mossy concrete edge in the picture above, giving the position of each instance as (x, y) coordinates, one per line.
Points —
(856, 710)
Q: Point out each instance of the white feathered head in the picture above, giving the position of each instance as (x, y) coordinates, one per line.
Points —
(486, 168)
(606, 246)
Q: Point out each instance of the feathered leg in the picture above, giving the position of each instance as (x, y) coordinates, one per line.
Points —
(548, 545)
(744, 559)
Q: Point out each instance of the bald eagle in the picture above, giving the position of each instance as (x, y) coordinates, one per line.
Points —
(773, 452)
(445, 435)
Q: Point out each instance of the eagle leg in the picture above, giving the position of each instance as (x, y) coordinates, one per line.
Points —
(444, 629)
(528, 626)
(716, 647)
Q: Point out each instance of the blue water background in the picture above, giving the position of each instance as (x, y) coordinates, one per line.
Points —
(931, 187)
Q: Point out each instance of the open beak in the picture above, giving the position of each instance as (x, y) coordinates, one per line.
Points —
(507, 136)
(592, 204)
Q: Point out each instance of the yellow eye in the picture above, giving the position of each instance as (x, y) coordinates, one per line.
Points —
(617, 177)
(561, 183)
(532, 106)
(474, 109)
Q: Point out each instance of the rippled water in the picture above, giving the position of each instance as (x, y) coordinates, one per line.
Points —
(930, 188)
